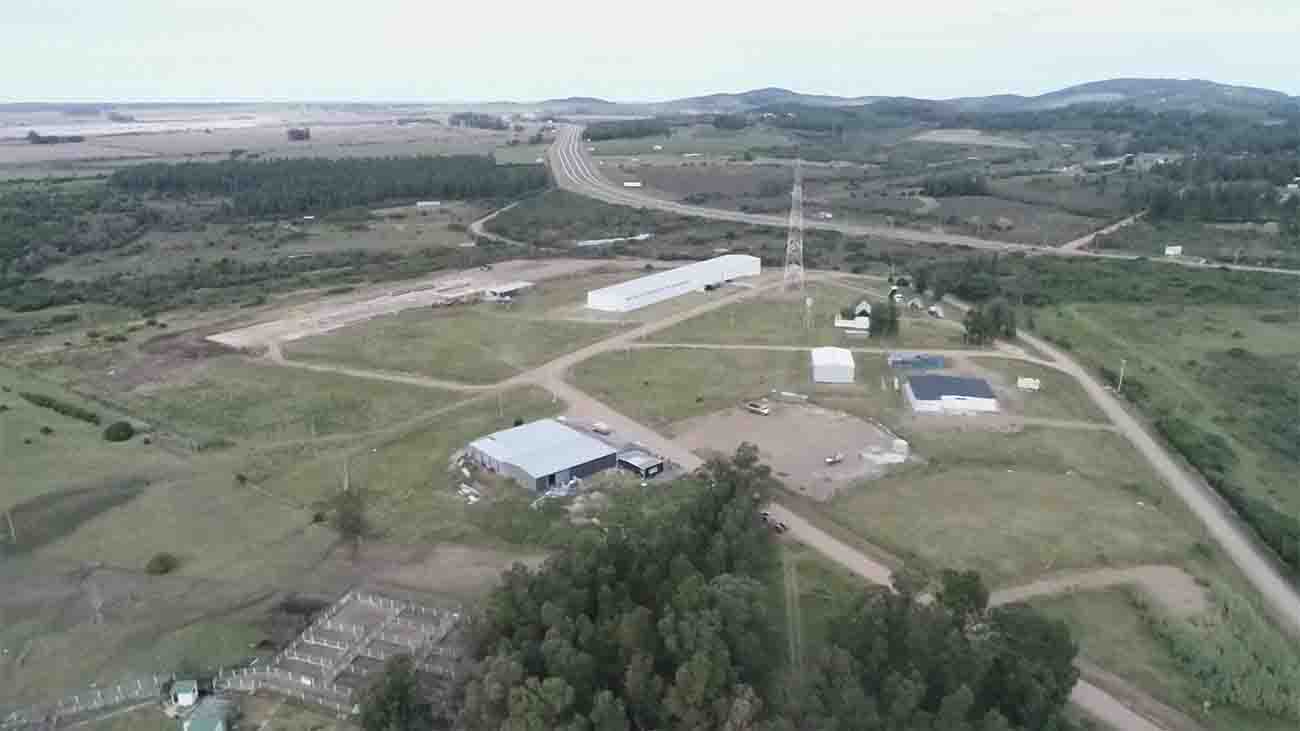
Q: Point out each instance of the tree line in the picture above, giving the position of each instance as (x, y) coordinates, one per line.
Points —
(954, 185)
(42, 225)
(478, 120)
(1217, 201)
(665, 619)
(621, 128)
(310, 185)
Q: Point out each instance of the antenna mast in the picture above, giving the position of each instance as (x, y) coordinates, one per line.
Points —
(794, 240)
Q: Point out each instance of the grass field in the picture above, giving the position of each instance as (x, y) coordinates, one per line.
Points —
(472, 346)
(1183, 358)
(412, 495)
(778, 319)
(1065, 192)
(1061, 397)
(663, 386)
(1014, 506)
(75, 455)
(1113, 631)
(237, 399)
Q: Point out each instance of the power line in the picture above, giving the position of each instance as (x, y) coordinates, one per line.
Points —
(794, 239)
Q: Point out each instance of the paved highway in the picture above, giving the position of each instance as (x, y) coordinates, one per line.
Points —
(574, 172)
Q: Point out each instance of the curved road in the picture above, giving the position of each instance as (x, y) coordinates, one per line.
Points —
(574, 172)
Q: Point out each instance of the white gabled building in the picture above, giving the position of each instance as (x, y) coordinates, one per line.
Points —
(637, 293)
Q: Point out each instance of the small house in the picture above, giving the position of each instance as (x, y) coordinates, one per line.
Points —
(644, 464)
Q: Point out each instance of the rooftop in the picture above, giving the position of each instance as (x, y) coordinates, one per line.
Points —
(639, 458)
(832, 356)
(933, 388)
(727, 263)
(543, 447)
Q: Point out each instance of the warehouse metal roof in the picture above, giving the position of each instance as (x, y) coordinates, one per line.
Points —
(718, 266)
(543, 448)
(934, 388)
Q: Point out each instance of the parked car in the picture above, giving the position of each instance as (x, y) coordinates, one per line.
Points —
(601, 427)
(755, 407)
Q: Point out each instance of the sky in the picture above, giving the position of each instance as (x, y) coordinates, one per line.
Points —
(457, 50)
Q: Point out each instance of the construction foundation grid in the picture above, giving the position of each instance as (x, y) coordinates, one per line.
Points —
(334, 659)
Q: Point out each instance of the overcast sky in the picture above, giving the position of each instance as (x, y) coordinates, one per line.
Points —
(458, 50)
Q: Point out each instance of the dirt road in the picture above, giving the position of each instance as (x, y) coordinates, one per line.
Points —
(1176, 589)
(1083, 241)
(1254, 560)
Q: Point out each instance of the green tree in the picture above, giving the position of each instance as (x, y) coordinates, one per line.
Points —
(349, 516)
(394, 700)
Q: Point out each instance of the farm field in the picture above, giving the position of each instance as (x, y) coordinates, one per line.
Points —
(474, 346)
(1019, 505)
(1033, 224)
(702, 139)
(1211, 366)
(234, 398)
(1078, 194)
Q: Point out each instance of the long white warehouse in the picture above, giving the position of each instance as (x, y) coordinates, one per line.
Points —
(637, 293)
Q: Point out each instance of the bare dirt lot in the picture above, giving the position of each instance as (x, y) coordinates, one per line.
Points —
(322, 317)
(795, 440)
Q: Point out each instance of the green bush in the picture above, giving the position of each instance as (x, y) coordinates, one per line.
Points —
(1237, 656)
(162, 563)
(61, 407)
(119, 431)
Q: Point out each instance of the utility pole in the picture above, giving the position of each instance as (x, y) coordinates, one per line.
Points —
(794, 239)
(1123, 362)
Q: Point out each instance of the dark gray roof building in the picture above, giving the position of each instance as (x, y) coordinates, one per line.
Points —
(933, 387)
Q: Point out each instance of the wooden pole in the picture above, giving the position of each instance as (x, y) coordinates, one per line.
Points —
(13, 534)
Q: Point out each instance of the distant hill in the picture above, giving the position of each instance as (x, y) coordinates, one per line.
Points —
(1193, 95)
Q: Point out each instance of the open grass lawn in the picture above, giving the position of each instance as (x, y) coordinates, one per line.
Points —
(1113, 631)
(471, 346)
(1061, 397)
(663, 386)
(410, 483)
(1183, 358)
(237, 399)
(778, 319)
(75, 455)
(1014, 506)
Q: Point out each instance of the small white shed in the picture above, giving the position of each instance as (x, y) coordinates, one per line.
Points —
(832, 365)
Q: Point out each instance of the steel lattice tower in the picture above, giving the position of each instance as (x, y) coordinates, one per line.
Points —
(794, 240)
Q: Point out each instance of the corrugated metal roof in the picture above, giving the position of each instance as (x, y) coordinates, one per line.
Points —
(718, 265)
(933, 388)
(542, 448)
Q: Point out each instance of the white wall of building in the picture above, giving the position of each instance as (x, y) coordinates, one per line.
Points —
(953, 404)
(832, 365)
(644, 291)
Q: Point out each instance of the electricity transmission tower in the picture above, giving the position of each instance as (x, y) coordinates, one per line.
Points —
(794, 240)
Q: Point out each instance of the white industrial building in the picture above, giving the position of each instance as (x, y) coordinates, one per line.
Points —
(933, 394)
(637, 293)
(542, 454)
(832, 365)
